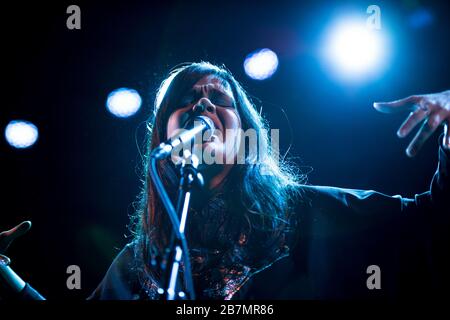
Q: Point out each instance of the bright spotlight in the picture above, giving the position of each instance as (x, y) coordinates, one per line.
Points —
(123, 102)
(261, 64)
(21, 134)
(353, 50)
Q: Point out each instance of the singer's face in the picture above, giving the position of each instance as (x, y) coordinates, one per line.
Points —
(209, 97)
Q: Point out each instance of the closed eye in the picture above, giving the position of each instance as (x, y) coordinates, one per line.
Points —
(189, 98)
(221, 99)
(215, 96)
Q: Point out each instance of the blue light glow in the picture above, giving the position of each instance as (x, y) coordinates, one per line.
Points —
(420, 18)
(261, 65)
(352, 51)
(123, 102)
(21, 134)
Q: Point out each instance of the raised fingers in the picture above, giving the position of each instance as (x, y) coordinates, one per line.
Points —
(410, 123)
(404, 104)
(9, 236)
(446, 141)
(427, 129)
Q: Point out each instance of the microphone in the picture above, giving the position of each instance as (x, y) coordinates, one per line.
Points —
(194, 126)
(13, 286)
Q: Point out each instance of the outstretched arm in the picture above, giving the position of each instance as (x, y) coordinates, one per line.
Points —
(343, 231)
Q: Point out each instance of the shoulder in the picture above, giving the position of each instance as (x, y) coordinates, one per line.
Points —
(121, 281)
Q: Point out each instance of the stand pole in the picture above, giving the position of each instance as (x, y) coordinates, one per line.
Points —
(177, 250)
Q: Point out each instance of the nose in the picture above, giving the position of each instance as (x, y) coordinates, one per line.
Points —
(204, 105)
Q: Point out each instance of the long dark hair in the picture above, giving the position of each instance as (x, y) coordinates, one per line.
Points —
(264, 189)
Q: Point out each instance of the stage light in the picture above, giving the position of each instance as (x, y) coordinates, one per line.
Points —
(353, 51)
(123, 102)
(261, 64)
(21, 134)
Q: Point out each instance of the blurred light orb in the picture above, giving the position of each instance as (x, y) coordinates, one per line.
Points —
(353, 50)
(261, 64)
(21, 134)
(123, 102)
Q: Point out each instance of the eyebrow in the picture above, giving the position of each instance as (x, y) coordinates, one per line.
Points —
(214, 89)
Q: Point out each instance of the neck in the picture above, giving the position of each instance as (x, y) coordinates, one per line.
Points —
(216, 180)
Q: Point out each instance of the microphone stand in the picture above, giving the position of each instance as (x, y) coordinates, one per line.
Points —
(177, 250)
(189, 176)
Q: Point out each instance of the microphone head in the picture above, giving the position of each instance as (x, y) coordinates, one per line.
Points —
(4, 261)
(207, 124)
(205, 120)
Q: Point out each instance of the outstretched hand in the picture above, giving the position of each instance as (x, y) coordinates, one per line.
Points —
(7, 237)
(431, 110)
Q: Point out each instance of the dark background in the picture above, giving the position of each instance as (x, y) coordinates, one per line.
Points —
(78, 182)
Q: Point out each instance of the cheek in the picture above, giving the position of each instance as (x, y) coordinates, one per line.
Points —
(175, 122)
(172, 125)
(230, 119)
(232, 123)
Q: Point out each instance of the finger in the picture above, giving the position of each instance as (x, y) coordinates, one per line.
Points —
(411, 122)
(18, 230)
(446, 141)
(397, 105)
(9, 236)
(429, 126)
